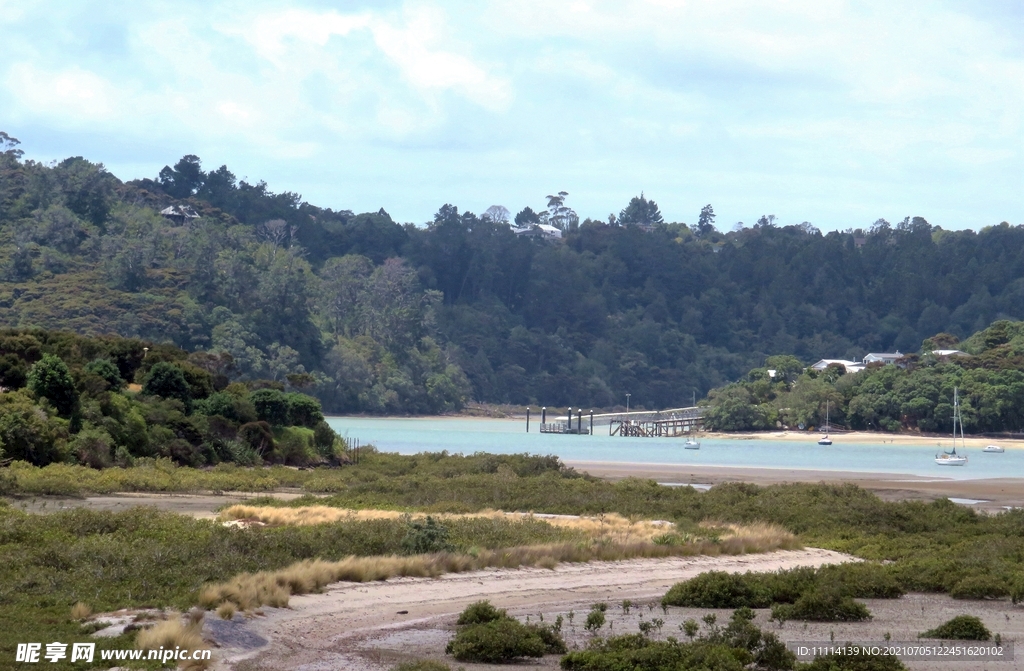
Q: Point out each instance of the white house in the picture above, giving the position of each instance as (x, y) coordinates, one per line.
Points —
(948, 352)
(541, 231)
(884, 357)
(850, 366)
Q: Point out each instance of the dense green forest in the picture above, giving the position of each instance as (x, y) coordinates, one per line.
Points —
(915, 393)
(70, 398)
(371, 315)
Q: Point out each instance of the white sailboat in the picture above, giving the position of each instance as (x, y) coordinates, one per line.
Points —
(825, 440)
(993, 448)
(952, 458)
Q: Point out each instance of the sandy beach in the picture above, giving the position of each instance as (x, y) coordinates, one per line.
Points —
(371, 626)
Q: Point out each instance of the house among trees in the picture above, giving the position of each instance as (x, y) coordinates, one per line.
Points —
(850, 366)
(179, 214)
(945, 353)
(538, 231)
(884, 357)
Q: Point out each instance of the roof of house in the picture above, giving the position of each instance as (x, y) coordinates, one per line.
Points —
(948, 352)
(850, 366)
(884, 355)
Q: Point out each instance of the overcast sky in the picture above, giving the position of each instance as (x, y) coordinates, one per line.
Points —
(836, 113)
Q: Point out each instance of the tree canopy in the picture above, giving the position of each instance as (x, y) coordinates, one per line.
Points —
(382, 317)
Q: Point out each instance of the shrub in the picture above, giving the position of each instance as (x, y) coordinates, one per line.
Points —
(271, 406)
(258, 436)
(960, 628)
(822, 605)
(980, 587)
(51, 379)
(303, 410)
(500, 641)
(92, 448)
(167, 381)
(861, 580)
(426, 537)
(480, 612)
(108, 371)
(717, 589)
(595, 620)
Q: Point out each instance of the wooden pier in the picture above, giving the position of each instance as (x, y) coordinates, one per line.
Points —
(681, 422)
(563, 427)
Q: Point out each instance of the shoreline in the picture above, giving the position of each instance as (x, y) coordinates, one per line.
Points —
(855, 437)
(991, 494)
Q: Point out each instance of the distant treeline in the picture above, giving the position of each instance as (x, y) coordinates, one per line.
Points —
(915, 393)
(389, 318)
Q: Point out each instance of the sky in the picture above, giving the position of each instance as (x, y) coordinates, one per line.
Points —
(837, 113)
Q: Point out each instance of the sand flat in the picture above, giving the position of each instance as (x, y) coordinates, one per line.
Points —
(338, 629)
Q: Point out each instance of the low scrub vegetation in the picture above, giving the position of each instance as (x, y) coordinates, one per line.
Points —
(738, 645)
(960, 628)
(489, 635)
(819, 595)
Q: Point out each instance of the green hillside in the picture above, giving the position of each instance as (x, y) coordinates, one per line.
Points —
(371, 315)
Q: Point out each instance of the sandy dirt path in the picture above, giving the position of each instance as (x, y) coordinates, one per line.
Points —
(335, 630)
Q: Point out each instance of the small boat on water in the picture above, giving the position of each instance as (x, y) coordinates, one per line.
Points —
(825, 440)
(993, 448)
(952, 458)
(691, 444)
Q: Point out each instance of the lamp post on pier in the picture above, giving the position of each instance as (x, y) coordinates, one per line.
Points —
(627, 403)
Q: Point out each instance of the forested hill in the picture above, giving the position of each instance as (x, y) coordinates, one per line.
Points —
(384, 317)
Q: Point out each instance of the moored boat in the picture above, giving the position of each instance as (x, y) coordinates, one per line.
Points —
(952, 458)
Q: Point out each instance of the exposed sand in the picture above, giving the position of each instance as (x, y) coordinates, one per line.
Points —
(360, 626)
(371, 627)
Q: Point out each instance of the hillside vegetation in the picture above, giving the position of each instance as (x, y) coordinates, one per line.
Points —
(914, 394)
(383, 317)
(103, 401)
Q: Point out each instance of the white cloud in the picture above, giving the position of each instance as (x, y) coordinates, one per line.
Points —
(72, 95)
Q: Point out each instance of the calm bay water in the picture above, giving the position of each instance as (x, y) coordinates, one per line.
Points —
(502, 436)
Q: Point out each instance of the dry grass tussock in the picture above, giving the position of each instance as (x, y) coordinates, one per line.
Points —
(248, 591)
(81, 611)
(177, 631)
(609, 527)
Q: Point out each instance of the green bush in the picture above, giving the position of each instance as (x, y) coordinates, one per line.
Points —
(980, 587)
(499, 641)
(426, 537)
(960, 628)
(595, 620)
(271, 406)
(717, 589)
(51, 379)
(822, 605)
(861, 580)
(480, 612)
(166, 380)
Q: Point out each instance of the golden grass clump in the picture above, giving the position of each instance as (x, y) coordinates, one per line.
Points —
(81, 611)
(226, 610)
(609, 527)
(175, 632)
(274, 588)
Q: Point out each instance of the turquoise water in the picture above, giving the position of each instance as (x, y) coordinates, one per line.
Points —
(500, 436)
